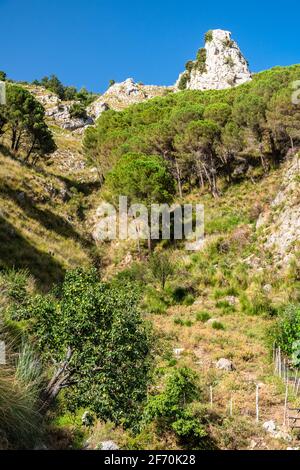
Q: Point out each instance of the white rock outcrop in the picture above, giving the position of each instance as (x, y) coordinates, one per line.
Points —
(223, 65)
(280, 225)
(58, 110)
(225, 364)
(121, 95)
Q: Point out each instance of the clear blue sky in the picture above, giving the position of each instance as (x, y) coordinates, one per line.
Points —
(89, 42)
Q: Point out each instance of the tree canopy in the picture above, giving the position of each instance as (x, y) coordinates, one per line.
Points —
(95, 335)
(23, 119)
(204, 135)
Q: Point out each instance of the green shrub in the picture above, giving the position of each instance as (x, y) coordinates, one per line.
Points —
(189, 300)
(182, 295)
(15, 284)
(258, 304)
(201, 60)
(78, 111)
(170, 409)
(229, 61)
(203, 317)
(216, 325)
(208, 36)
(286, 332)
(98, 327)
(184, 79)
(161, 267)
(225, 306)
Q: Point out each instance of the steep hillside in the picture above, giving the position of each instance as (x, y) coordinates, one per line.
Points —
(214, 313)
(42, 212)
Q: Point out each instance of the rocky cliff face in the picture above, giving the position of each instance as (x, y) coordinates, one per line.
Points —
(218, 66)
(121, 95)
(281, 223)
(59, 110)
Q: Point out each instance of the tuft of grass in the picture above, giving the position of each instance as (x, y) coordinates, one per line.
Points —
(20, 387)
(216, 325)
(203, 316)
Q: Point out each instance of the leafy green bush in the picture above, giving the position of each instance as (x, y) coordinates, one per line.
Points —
(286, 332)
(182, 295)
(78, 111)
(96, 332)
(170, 409)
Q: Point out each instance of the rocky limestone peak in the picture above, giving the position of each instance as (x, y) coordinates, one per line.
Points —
(219, 65)
(121, 95)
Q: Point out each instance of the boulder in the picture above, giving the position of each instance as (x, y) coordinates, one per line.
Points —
(270, 427)
(108, 445)
(225, 364)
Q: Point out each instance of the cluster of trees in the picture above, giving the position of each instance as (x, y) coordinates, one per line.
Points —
(22, 120)
(66, 93)
(204, 136)
(92, 339)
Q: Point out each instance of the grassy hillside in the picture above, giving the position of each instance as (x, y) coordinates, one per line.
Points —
(219, 303)
(42, 212)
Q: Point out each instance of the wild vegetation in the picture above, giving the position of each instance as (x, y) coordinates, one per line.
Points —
(204, 136)
(66, 93)
(131, 338)
(22, 118)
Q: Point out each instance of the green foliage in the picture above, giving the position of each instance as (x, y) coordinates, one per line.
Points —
(201, 60)
(287, 331)
(171, 411)
(185, 78)
(98, 330)
(208, 36)
(25, 121)
(3, 76)
(181, 295)
(161, 267)
(218, 112)
(66, 93)
(216, 325)
(229, 61)
(203, 317)
(20, 388)
(111, 83)
(78, 111)
(204, 135)
(53, 84)
(142, 178)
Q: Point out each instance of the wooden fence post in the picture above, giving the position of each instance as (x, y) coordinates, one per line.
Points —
(285, 404)
(257, 403)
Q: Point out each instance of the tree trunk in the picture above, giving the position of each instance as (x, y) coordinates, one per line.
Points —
(17, 144)
(57, 383)
(178, 178)
(30, 150)
(149, 242)
(13, 138)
